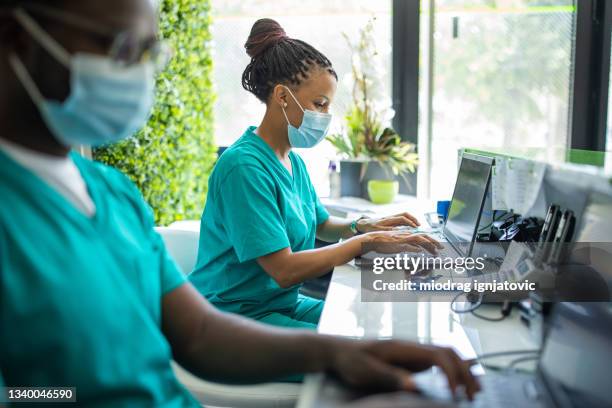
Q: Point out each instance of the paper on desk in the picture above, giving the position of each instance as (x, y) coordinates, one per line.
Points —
(498, 183)
(516, 184)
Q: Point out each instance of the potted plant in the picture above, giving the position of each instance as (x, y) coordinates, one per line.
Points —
(374, 155)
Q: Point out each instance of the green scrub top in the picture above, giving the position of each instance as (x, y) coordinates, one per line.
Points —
(80, 297)
(254, 207)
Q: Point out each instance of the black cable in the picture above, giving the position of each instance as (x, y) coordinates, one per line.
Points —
(519, 360)
(499, 217)
(506, 309)
(507, 353)
(489, 319)
(475, 306)
(529, 355)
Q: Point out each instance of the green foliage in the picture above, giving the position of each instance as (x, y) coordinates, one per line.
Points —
(382, 145)
(171, 158)
(389, 149)
(365, 136)
(507, 68)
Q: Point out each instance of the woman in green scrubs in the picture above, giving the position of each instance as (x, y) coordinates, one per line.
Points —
(262, 213)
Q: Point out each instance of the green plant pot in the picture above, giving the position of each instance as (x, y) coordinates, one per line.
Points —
(382, 191)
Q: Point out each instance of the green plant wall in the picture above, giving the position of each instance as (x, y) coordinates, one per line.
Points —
(171, 158)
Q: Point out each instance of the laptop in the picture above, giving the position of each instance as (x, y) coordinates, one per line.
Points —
(461, 226)
(573, 370)
(460, 229)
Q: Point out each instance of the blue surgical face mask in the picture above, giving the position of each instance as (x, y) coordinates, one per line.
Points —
(313, 129)
(107, 102)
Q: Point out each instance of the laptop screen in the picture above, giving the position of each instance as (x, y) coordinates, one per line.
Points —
(576, 360)
(468, 198)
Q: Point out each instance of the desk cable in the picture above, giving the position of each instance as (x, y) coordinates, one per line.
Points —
(506, 308)
(527, 355)
(515, 362)
(476, 303)
(507, 353)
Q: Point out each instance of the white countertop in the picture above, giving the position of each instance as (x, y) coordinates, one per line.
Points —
(425, 322)
(349, 207)
(428, 322)
(432, 322)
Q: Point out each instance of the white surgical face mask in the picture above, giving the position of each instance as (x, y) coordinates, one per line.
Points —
(107, 103)
(313, 129)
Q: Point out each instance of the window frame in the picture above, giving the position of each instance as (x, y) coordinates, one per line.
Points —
(591, 79)
(588, 105)
(405, 77)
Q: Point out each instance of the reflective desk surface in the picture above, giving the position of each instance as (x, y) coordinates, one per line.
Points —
(426, 322)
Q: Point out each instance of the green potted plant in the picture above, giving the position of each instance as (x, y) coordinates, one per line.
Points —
(374, 156)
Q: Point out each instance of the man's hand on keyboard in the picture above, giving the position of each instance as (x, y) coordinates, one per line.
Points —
(387, 366)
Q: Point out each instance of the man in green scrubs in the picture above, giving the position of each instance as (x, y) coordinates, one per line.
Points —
(89, 297)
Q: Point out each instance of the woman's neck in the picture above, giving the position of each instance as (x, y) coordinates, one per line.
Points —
(274, 136)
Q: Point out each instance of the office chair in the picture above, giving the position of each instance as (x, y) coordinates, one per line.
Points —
(183, 246)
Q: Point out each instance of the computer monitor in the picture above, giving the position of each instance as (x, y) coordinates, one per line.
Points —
(593, 247)
(575, 362)
(596, 221)
(468, 199)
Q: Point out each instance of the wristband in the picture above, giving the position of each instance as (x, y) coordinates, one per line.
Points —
(353, 225)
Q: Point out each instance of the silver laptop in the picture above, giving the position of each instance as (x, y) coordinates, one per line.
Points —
(461, 226)
(573, 370)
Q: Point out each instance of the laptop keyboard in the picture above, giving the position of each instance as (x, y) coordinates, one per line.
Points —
(498, 391)
(504, 391)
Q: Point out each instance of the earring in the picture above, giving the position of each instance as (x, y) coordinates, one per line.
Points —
(285, 105)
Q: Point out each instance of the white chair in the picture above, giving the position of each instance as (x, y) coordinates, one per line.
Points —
(183, 246)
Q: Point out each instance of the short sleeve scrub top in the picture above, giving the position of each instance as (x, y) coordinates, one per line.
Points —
(255, 207)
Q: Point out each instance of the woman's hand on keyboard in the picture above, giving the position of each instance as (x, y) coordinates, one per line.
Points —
(389, 223)
(397, 241)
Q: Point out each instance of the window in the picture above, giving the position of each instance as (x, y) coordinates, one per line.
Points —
(609, 121)
(318, 22)
(502, 78)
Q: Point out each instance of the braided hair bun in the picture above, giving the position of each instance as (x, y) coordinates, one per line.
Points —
(278, 59)
(264, 34)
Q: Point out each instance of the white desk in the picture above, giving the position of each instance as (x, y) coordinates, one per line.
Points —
(426, 322)
(350, 207)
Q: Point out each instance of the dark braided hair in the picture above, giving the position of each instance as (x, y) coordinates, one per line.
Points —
(278, 59)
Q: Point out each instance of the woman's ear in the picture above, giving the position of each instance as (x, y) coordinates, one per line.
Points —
(279, 95)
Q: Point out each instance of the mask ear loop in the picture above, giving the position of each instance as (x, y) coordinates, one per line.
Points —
(294, 98)
(285, 113)
(296, 101)
(48, 43)
(26, 79)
